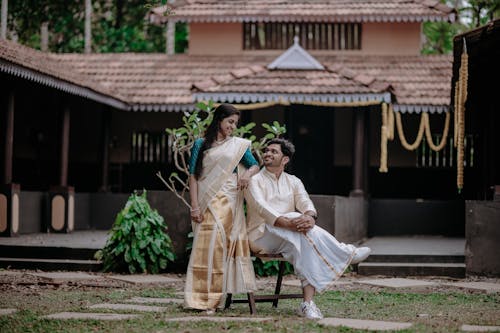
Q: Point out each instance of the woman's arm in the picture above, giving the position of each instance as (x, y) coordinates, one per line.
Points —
(196, 214)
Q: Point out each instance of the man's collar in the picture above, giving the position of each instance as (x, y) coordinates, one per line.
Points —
(271, 174)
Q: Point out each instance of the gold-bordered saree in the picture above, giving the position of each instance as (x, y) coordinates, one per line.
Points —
(220, 260)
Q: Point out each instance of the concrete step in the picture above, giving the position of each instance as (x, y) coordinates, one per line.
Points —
(47, 252)
(51, 264)
(416, 258)
(401, 269)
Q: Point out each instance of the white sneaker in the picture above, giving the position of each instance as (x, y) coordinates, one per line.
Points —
(309, 310)
(361, 254)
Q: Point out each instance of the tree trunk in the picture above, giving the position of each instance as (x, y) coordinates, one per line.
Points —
(3, 28)
(44, 31)
(88, 26)
(119, 14)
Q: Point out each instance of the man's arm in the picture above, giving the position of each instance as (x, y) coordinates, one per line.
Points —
(304, 205)
(255, 199)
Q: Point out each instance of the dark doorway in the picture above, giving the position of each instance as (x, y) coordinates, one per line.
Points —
(311, 130)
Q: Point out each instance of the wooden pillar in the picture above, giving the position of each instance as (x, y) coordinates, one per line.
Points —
(63, 169)
(61, 205)
(105, 141)
(9, 192)
(9, 139)
(358, 154)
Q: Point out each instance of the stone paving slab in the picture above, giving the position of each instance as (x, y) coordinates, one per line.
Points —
(5, 312)
(298, 284)
(144, 278)
(129, 307)
(477, 328)
(485, 286)
(397, 283)
(218, 319)
(62, 277)
(373, 325)
(10, 273)
(152, 300)
(91, 316)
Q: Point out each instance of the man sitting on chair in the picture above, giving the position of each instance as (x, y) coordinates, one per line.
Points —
(281, 219)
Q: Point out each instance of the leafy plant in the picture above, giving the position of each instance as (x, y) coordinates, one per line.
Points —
(138, 241)
(271, 267)
(194, 126)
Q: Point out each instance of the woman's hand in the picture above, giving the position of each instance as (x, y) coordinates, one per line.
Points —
(243, 181)
(196, 215)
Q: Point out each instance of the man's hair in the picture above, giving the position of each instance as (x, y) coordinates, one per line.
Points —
(287, 148)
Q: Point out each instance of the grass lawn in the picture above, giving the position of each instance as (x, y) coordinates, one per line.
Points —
(431, 310)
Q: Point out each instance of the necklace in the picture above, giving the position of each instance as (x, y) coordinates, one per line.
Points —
(219, 142)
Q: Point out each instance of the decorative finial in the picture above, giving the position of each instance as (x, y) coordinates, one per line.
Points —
(296, 40)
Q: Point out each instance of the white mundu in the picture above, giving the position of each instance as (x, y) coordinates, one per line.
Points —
(318, 258)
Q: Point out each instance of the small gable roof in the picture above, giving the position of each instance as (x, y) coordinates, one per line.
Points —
(295, 58)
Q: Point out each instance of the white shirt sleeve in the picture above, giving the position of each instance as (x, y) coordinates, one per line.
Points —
(255, 200)
(302, 201)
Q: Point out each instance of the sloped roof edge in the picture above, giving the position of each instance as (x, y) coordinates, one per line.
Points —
(230, 97)
(59, 84)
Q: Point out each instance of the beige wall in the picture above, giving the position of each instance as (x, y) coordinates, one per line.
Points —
(391, 38)
(215, 38)
(377, 38)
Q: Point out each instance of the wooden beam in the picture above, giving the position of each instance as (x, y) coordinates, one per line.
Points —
(9, 139)
(358, 154)
(105, 140)
(64, 158)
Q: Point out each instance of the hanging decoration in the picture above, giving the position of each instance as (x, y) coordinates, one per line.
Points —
(460, 99)
(387, 133)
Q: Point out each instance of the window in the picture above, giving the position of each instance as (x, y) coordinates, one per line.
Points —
(312, 36)
(149, 147)
(447, 157)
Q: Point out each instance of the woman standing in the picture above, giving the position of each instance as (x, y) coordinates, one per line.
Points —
(221, 166)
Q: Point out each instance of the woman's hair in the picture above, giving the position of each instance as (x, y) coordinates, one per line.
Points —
(221, 112)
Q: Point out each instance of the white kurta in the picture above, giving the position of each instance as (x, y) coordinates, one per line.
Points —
(318, 258)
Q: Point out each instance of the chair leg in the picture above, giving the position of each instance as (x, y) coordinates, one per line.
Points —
(251, 304)
(229, 299)
(277, 291)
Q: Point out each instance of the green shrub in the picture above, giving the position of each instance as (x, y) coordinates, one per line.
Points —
(269, 268)
(138, 241)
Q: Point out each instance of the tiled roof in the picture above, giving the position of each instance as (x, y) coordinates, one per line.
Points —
(417, 82)
(46, 69)
(311, 10)
(162, 82)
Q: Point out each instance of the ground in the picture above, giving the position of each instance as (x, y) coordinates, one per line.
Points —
(429, 304)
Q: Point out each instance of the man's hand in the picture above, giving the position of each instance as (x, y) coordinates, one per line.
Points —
(303, 223)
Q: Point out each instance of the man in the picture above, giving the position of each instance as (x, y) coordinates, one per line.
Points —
(281, 219)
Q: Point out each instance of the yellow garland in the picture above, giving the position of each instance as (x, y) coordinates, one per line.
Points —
(262, 105)
(460, 110)
(390, 119)
(429, 136)
(401, 134)
(383, 140)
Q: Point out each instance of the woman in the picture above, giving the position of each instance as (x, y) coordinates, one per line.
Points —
(221, 166)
